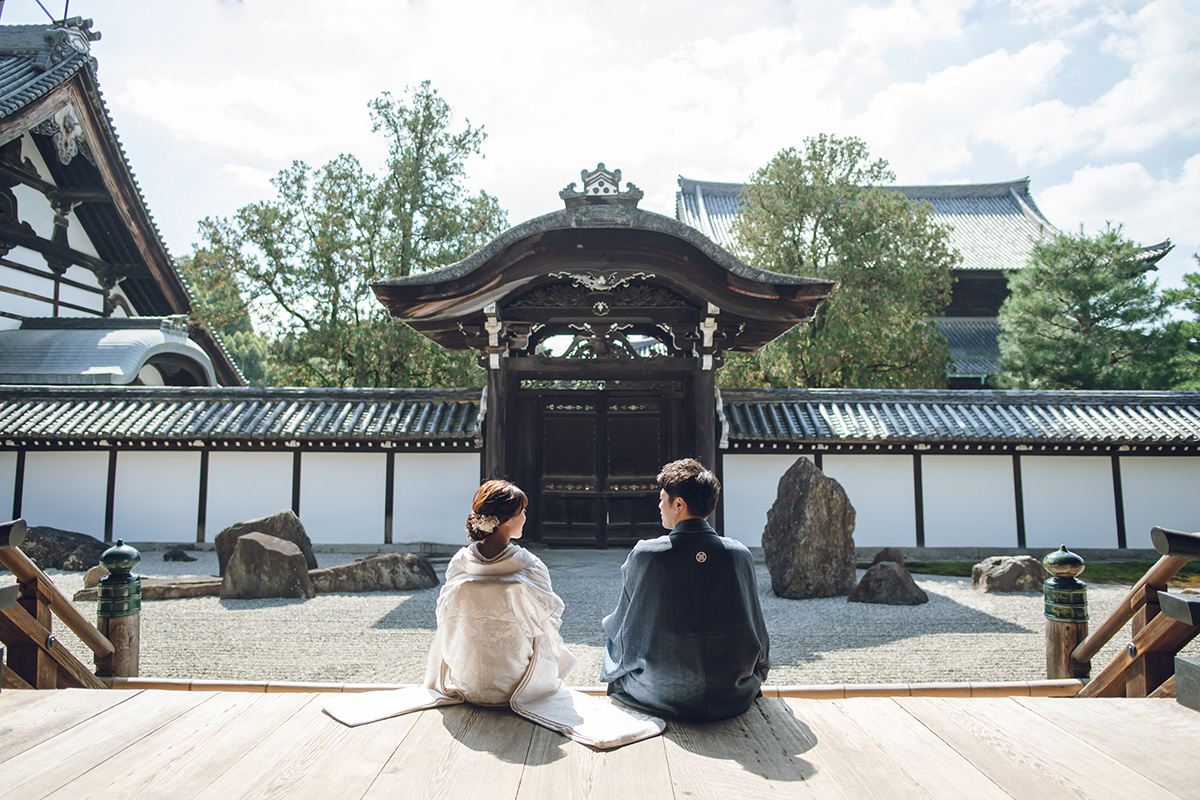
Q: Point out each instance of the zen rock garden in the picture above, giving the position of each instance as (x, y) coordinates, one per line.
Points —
(273, 557)
(808, 547)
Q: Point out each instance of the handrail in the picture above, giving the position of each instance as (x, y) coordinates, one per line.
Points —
(1140, 668)
(26, 572)
(1156, 578)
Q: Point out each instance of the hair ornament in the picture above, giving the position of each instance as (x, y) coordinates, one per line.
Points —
(486, 523)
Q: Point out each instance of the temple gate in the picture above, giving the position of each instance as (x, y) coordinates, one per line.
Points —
(601, 327)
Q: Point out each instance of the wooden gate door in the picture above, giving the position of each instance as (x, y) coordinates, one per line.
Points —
(600, 452)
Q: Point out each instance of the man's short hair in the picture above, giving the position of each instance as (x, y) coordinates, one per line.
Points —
(690, 480)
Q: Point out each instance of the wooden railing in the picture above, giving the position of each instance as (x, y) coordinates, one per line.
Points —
(1147, 664)
(35, 658)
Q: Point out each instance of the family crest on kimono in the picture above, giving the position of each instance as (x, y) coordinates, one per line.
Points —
(497, 641)
(687, 638)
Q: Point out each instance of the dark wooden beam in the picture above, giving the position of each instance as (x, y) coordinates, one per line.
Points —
(61, 253)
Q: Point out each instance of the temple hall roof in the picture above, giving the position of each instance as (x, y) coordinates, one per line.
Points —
(993, 225)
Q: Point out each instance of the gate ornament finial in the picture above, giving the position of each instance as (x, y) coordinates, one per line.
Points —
(601, 186)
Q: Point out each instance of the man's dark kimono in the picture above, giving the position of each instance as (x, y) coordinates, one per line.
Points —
(687, 638)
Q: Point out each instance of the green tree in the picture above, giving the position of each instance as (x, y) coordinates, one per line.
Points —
(1188, 359)
(304, 260)
(820, 212)
(219, 306)
(1085, 314)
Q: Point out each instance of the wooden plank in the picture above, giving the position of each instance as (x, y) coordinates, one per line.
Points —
(930, 765)
(59, 659)
(560, 769)
(765, 752)
(29, 657)
(456, 752)
(1025, 754)
(28, 573)
(12, 680)
(60, 759)
(1154, 737)
(28, 718)
(851, 763)
(1157, 576)
(1162, 634)
(310, 754)
(182, 757)
(11, 701)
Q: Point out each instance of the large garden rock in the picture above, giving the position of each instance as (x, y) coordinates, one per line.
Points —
(1009, 574)
(889, 554)
(888, 583)
(265, 566)
(378, 573)
(282, 525)
(808, 543)
(51, 548)
(177, 554)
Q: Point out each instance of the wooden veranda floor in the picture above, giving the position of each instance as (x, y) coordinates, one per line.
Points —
(111, 744)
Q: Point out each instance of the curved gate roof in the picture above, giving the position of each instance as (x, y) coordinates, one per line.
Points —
(600, 240)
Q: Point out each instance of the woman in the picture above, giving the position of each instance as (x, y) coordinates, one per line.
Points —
(497, 641)
(496, 610)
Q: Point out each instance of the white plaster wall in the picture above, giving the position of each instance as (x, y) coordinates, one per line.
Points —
(18, 279)
(8, 477)
(33, 207)
(1068, 500)
(66, 490)
(79, 297)
(244, 486)
(1162, 491)
(78, 239)
(156, 496)
(433, 494)
(342, 497)
(968, 501)
(35, 284)
(881, 490)
(749, 485)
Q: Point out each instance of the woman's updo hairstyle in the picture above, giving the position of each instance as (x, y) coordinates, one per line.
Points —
(495, 503)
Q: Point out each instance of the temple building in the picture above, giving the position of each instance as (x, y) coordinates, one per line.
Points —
(601, 326)
(88, 292)
(994, 226)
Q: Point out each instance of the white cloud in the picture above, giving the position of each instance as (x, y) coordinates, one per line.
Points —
(1149, 107)
(907, 23)
(1157, 101)
(1150, 208)
(928, 127)
(945, 89)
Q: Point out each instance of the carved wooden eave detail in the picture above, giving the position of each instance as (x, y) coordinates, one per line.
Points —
(604, 263)
(77, 100)
(90, 183)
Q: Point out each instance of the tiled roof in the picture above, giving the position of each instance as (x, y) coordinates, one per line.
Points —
(23, 78)
(993, 225)
(93, 351)
(221, 416)
(973, 344)
(816, 416)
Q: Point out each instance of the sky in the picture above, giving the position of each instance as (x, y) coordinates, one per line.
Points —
(1098, 103)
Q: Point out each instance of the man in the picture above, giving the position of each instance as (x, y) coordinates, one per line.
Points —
(687, 638)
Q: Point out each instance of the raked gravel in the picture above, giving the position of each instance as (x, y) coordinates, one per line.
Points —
(383, 637)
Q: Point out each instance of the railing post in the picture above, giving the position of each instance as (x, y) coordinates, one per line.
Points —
(1066, 614)
(119, 611)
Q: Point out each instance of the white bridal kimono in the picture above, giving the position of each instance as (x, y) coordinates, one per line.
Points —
(497, 644)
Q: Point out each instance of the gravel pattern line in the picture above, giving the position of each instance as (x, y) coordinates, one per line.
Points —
(383, 637)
